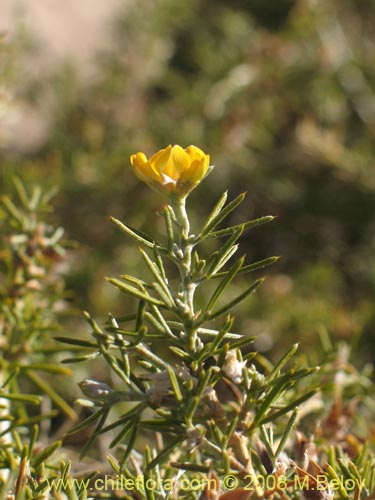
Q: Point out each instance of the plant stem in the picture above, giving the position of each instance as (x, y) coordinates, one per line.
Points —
(187, 286)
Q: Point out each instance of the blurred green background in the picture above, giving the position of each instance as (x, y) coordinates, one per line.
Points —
(280, 93)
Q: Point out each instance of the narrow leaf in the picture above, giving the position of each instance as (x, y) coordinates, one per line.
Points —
(169, 227)
(221, 334)
(121, 434)
(273, 416)
(49, 368)
(95, 434)
(214, 213)
(158, 276)
(85, 423)
(174, 383)
(133, 233)
(78, 342)
(237, 300)
(219, 263)
(250, 267)
(221, 257)
(123, 287)
(131, 442)
(46, 453)
(283, 361)
(164, 454)
(245, 225)
(214, 221)
(22, 398)
(56, 398)
(286, 433)
(230, 275)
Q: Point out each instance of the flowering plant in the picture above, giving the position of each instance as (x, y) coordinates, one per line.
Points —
(192, 410)
(195, 397)
(202, 394)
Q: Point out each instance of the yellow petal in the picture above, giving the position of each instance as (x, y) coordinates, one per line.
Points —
(160, 159)
(181, 159)
(194, 173)
(143, 170)
(194, 152)
(137, 159)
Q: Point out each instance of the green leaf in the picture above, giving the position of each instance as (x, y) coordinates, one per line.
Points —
(78, 342)
(159, 264)
(123, 419)
(46, 453)
(95, 434)
(221, 215)
(180, 353)
(131, 442)
(47, 367)
(158, 321)
(28, 421)
(174, 383)
(159, 277)
(136, 235)
(193, 467)
(242, 343)
(283, 361)
(224, 254)
(338, 484)
(21, 192)
(206, 332)
(12, 210)
(94, 325)
(267, 439)
(165, 453)
(150, 356)
(80, 359)
(123, 287)
(292, 406)
(270, 398)
(87, 422)
(221, 334)
(286, 433)
(249, 268)
(214, 213)
(56, 398)
(33, 439)
(121, 434)
(22, 398)
(168, 217)
(230, 275)
(228, 307)
(212, 222)
(163, 296)
(245, 225)
(36, 197)
(291, 376)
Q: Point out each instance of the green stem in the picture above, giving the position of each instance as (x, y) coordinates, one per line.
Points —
(187, 286)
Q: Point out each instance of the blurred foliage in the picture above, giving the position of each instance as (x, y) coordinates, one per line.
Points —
(279, 93)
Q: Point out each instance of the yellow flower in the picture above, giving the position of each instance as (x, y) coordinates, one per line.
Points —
(173, 169)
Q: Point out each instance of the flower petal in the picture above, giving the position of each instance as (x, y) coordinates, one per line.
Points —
(196, 171)
(194, 152)
(181, 159)
(160, 159)
(143, 169)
